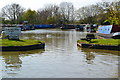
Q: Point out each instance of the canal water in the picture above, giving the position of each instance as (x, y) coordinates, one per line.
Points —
(61, 58)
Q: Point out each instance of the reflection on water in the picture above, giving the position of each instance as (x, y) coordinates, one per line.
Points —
(90, 53)
(99, 51)
(89, 57)
(13, 62)
(60, 59)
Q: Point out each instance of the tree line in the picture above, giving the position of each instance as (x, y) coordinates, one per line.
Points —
(64, 13)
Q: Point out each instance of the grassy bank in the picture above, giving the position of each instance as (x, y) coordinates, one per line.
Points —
(102, 41)
(6, 42)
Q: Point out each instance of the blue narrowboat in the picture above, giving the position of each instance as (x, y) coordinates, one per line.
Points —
(42, 26)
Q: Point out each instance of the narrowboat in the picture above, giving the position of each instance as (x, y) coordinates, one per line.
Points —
(67, 26)
(79, 27)
(42, 26)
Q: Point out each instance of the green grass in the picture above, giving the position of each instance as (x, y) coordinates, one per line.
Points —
(102, 41)
(6, 42)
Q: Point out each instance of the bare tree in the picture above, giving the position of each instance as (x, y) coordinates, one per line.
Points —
(43, 15)
(88, 11)
(67, 11)
(12, 12)
(49, 11)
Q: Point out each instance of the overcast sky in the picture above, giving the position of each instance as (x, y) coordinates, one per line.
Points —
(36, 4)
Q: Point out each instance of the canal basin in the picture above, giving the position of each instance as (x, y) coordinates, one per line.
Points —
(60, 59)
